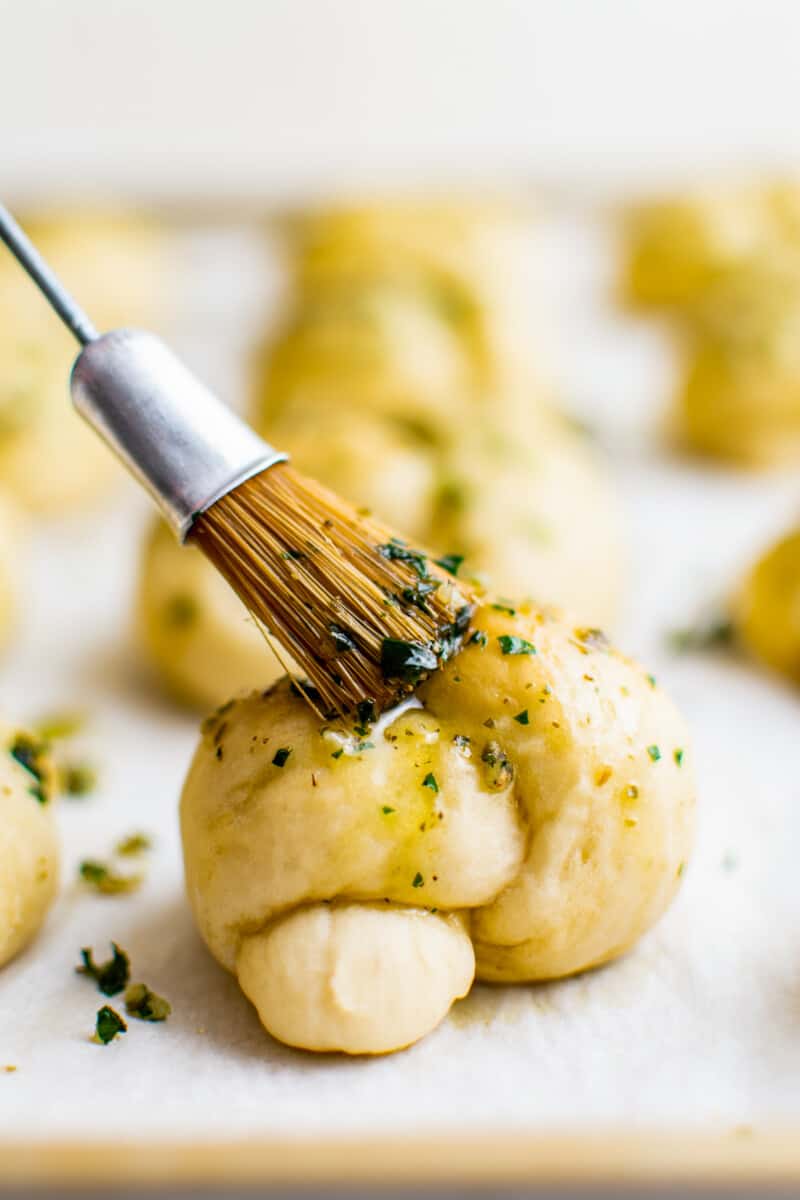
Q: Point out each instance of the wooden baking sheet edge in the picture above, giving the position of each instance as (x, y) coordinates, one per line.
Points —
(736, 1156)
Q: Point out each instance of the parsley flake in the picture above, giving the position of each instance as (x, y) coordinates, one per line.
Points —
(145, 1005)
(397, 551)
(522, 718)
(515, 645)
(450, 562)
(654, 752)
(133, 844)
(418, 881)
(406, 660)
(105, 880)
(77, 779)
(30, 753)
(430, 782)
(108, 1025)
(112, 976)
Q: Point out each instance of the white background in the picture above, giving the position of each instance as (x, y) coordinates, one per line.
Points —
(245, 97)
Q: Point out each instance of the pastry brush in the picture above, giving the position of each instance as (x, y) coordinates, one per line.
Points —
(364, 615)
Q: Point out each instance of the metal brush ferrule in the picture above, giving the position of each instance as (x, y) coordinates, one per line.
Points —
(182, 443)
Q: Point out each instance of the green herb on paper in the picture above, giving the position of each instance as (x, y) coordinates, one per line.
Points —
(145, 1005)
(108, 1025)
(112, 976)
(105, 880)
(133, 844)
(31, 754)
(77, 779)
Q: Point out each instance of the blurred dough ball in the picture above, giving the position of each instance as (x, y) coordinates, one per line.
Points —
(766, 611)
(28, 842)
(49, 458)
(463, 257)
(361, 978)
(675, 247)
(193, 628)
(9, 568)
(741, 396)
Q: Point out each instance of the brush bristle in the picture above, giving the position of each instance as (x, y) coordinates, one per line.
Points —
(365, 616)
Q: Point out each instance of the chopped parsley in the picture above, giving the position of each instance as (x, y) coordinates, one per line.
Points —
(515, 645)
(678, 756)
(108, 1025)
(181, 611)
(710, 635)
(30, 753)
(654, 752)
(462, 742)
(453, 495)
(145, 1005)
(105, 880)
(77, 779)
(430, 782)
(341, 639)
(281, 755)
(387, 809)
(135, 843)
(450, 562)
(451, 635)
(366, 712)
(418, 594)
(60, 725)
(501, 771)
(112, 976)
(522, 718)
(504, 607)
(418, 881)
(480, 638)
(406, 660)
(397, 551)
(651, 679)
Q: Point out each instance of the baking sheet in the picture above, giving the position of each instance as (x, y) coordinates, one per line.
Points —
(698, 1028)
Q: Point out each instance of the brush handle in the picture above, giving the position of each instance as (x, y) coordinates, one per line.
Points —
(185, 446)
(45, 279)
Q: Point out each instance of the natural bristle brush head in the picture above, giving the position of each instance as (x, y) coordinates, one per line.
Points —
(365, 616)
